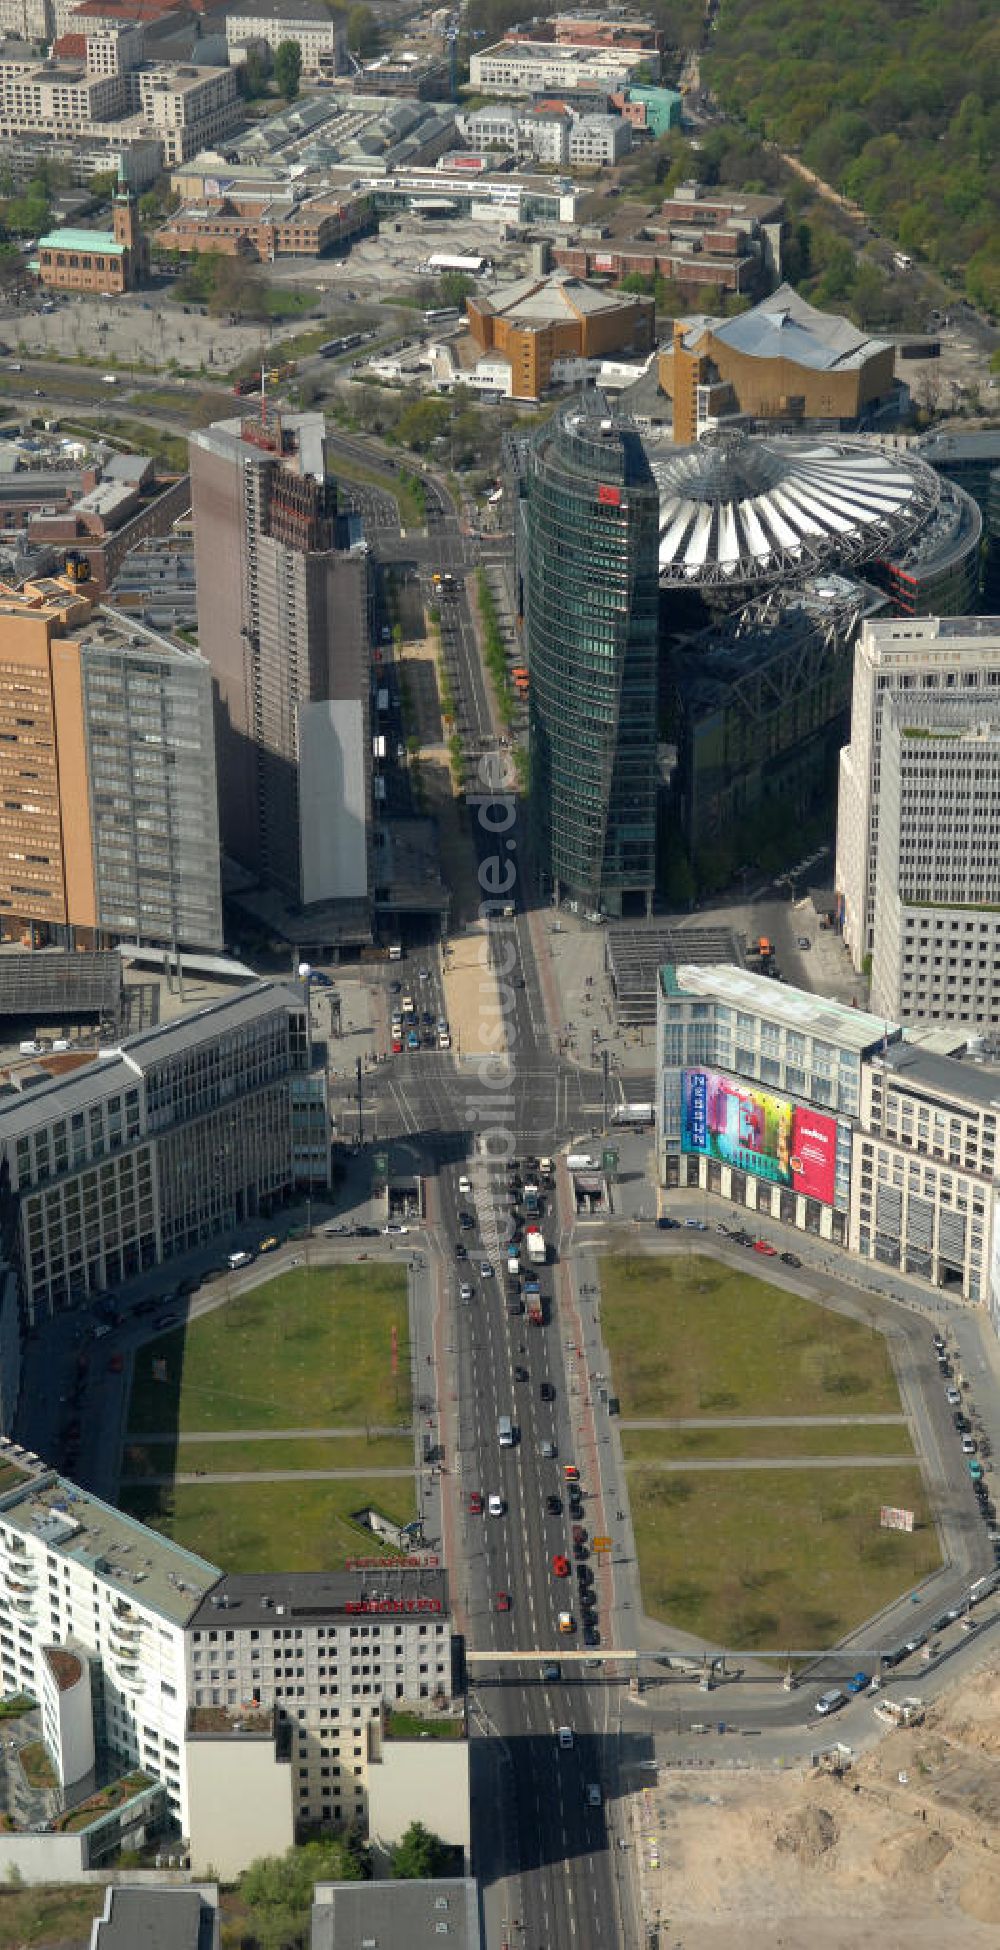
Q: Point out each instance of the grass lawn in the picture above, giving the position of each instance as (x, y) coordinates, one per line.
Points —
(670, 1445)
(49, 1915)
(192, 408)
(688, 1336)
(339, 1452)
(776, 1560)
(757, 1558)
(414, 1726)
(269, 1526)
(310, 1349)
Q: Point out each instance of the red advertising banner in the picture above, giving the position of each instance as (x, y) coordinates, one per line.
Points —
(814, 1154)
(756, 1131)
(394, 1605)
(610, 497)
(422, 1561)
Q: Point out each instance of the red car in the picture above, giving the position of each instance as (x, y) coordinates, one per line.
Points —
(762, 1246)
(116, 1363)
(475, 1504)
(560, 1567)
(503, 1601)
(397, 1046)
(571, 1473)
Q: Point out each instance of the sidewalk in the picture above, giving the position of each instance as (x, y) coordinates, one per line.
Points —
(472, 996)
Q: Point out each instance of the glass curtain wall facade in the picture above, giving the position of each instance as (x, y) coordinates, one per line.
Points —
(590, 586)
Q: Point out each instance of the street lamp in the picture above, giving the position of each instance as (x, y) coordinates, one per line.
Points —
(305, 975)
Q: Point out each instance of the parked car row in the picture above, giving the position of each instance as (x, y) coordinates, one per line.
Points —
(738, 1235)
(973, 1449)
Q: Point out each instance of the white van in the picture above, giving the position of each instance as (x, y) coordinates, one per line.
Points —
(580, 1161)
(505, 1432)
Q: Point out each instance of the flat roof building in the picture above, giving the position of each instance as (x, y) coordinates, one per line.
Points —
(87, 698)
(834, 1120)
(322, 39)
(935, 657)
(540, 67)
(396, 1915)
(936, 945)
(358, 1644)
(157, 1919)
(758, 1089)
(179, 1134)
(79, 1576)
(284, 613)
(924, 1175)
(719, 240)
(145, 1658)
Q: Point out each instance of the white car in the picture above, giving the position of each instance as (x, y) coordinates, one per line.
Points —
(565, 1737)
(830, 1702)
(495, 1506)
(953, 1397)
(465, 1291)
(465, 1185)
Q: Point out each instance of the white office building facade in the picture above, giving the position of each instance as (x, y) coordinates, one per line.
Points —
(936, 937)
(93, 1608)
(909, 658)
(923, 1182)
(327, 1651)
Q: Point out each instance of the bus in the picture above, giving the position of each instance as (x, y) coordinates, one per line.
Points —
(448, 315)
(901, 261)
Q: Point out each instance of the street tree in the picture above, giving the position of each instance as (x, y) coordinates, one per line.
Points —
(419, 1855)
(288, 68)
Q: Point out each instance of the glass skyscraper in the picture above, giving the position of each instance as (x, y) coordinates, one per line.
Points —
(588, 574)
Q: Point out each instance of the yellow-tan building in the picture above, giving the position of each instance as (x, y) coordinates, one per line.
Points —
(783, 361)
(109, 821)
(534, 322)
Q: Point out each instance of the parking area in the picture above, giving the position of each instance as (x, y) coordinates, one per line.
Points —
(957, 380)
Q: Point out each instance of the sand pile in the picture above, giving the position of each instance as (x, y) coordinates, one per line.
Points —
(901, 1852)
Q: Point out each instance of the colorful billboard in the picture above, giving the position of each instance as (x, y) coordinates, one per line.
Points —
(745, 1126)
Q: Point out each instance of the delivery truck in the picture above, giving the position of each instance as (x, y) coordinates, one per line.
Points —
(534, 1239)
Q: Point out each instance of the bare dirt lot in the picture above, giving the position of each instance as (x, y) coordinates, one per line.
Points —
(902, 1849)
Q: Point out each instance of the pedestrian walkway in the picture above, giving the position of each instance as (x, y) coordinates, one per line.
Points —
(261, 1476)
(774, 1462)
(767, 1422)
(472, 996)
(365, 1432)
